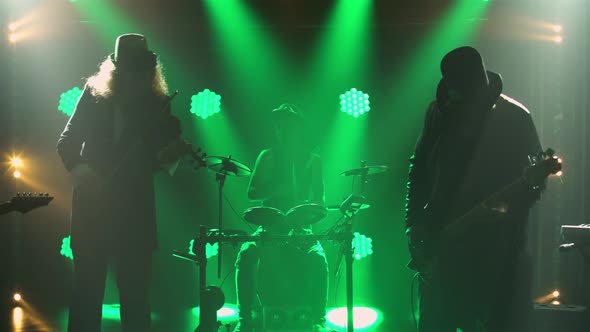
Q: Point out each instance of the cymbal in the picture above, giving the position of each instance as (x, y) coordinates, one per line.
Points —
(227, 166)
(368, 170)
(336, 207)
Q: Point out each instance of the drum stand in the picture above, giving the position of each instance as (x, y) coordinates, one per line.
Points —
(345, 234)
(349, 209)
(208, 311)
(222, 166)
(347, 251)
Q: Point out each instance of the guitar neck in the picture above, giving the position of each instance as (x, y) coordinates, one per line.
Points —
(496, 201)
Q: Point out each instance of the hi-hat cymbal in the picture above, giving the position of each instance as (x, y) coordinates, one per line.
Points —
(368, 170)
(227, 166)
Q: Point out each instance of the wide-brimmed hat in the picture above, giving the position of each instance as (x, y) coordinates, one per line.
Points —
(287, 111)
(132, 53)
(463, 70)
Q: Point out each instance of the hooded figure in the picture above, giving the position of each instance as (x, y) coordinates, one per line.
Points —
(475, 141)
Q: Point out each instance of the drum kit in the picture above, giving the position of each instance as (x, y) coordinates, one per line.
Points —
(264, 216)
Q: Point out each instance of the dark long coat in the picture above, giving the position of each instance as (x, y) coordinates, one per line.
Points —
(120, 214)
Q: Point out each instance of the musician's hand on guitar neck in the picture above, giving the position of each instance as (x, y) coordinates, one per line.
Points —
(173, 151)
(178, 149)
(85, 175)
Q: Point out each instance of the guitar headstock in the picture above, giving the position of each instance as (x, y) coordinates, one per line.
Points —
(180, 149)
(25, 202)
(544, 164)
(197, 155)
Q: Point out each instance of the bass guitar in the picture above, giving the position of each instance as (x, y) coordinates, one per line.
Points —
(423, 243)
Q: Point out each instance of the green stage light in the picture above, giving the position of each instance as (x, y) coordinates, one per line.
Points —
(66, 250)
(226, 315)
(363, 246)
(68, 101)
(211, 250)
(365, 318)
(205, 103)
(354, 102)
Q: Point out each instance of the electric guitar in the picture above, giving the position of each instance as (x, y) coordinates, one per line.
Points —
(169, 154)
(25, 202)
(422, 242)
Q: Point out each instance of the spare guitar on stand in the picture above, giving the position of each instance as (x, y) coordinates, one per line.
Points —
(25, 202)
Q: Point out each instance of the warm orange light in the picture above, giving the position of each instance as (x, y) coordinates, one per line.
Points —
(17, 297)
(17, 174)
(16, 162)
(17, 318)
(555, 302)
(556, 294)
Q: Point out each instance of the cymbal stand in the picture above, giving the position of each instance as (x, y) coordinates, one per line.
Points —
(349, 212)
(228, 167)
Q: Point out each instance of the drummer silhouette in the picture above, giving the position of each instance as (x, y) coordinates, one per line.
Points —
(293, 274)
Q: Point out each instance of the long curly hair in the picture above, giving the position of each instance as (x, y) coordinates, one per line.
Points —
(103, 83)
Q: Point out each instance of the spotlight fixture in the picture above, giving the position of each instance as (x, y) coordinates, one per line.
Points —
(363, 246)
(66, 249)
(354, 102)
(68, 101)
(16, 162)
(211, 250)
(13, 38)
(205, 104)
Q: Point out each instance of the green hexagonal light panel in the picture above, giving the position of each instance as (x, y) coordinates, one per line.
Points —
(68, 101)
(205, 104)
(66, 250)
(363, 246)
(355, 103)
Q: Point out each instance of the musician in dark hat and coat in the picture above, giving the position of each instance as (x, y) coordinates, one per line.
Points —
(475, 141)
(119, 135)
